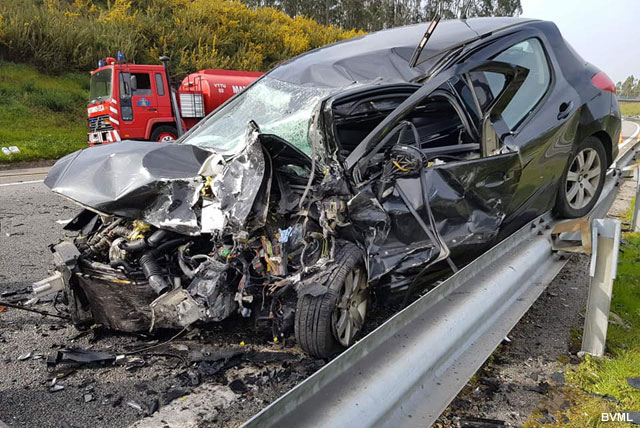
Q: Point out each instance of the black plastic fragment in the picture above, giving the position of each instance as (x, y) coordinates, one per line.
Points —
(634, 382)
(547, 418)
(238, 386)
(173, 394)
(80, 356)
(474, 422)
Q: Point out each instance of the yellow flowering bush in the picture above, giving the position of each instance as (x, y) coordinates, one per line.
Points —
(63, 35)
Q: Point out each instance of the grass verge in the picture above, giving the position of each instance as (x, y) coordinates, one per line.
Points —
(629, 109)
(44, 116)
(599, 385)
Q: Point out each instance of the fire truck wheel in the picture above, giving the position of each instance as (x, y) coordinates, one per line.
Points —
(164, 134)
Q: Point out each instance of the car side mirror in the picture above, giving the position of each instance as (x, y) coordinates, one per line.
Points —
(407, 159)
(133, 83)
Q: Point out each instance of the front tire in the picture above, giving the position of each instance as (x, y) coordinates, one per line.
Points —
(329, 323)
(583, 180)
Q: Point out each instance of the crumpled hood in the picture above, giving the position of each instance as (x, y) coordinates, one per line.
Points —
(155, 182)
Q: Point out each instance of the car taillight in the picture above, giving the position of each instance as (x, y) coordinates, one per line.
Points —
(602, 81)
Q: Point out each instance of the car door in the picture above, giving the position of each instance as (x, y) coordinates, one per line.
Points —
(440, 196)
(525, 134)
(539, 121)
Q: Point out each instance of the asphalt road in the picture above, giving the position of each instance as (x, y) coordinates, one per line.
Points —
(97, 397)
(630, 129)
(30, 217)
(23, 176)
(28, 214)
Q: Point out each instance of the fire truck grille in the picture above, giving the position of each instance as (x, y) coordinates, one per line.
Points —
(99, 123)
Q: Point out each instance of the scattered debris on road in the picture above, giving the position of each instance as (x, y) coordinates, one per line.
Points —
(80, 357)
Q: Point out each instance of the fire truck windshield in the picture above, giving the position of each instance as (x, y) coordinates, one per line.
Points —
(279, 108)
(100, 86)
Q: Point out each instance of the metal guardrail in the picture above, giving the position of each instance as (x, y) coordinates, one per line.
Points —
(635, 220)
(405, 373)
(604, 262)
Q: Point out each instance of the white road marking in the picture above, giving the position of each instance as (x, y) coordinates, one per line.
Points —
(631, 139)
(21, 182)
(635, 134)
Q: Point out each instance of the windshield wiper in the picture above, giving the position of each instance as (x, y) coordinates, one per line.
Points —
(423, 41)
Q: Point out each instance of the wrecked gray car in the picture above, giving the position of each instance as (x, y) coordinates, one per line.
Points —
(365, 168)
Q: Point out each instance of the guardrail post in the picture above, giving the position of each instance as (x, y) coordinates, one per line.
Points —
(635, 221)
(604, 259)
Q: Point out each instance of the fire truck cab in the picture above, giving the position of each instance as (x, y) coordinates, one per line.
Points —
(133, 101)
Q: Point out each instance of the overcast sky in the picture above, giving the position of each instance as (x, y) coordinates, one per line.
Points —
(605, 33)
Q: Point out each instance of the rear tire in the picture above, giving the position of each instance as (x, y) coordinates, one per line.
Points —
(329, 323)
(164, 134)
(583, 179)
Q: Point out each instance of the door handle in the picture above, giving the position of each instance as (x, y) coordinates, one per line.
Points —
(565, 110)
(152, 109)
(492, 180)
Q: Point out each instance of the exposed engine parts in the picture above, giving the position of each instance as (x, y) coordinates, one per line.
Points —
(262, 246)
(206, 277)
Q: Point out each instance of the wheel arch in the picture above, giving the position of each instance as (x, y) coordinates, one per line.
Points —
(155, 124)
(605, 139)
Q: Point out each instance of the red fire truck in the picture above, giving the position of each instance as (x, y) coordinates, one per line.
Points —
(135, 101)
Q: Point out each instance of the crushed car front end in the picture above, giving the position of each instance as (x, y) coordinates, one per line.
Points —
(173, 234)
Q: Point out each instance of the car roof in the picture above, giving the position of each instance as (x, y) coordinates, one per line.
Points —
(384, 55)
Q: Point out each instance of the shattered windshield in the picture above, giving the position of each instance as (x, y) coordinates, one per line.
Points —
(278, 107)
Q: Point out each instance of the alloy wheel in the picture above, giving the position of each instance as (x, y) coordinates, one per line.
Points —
(583, 178)
(348, 316)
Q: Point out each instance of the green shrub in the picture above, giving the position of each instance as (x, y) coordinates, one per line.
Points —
(56, 101)
(59, 36)
(629, 108)
(7, 95)
(28, 86)
(44, 116)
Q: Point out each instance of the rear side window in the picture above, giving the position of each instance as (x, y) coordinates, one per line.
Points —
(144, 84)
(159, 84)
(528, 54)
